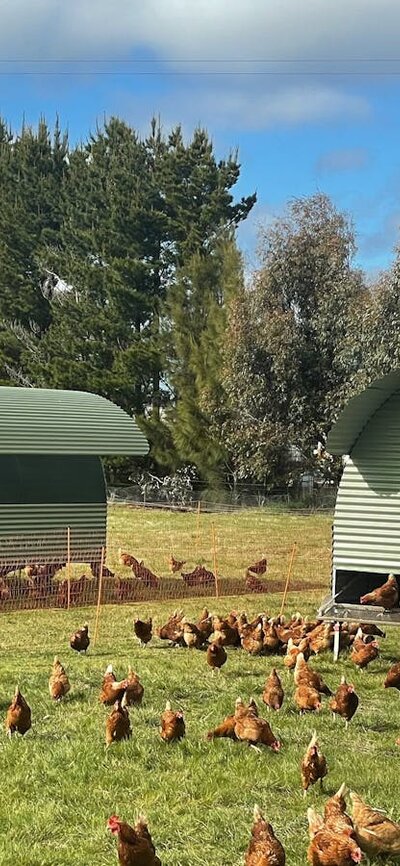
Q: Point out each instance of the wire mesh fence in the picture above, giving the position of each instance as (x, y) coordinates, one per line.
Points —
(181, 557)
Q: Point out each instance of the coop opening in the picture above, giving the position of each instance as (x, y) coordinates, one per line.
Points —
(349, 586)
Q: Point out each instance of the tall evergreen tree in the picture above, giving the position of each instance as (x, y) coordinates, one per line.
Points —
(32, 166)
(134, 211)
(197, 305)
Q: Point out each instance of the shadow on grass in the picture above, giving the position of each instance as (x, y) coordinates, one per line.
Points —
(78, 697)
(381, 727)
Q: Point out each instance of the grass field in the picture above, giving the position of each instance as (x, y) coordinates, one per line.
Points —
(59, 785)
(241, 538)
(227, 544)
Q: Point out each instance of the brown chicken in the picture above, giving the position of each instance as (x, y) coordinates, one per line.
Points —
(111, 690)
(227, 635)
(200, 576)
(144, 574)
(135, 846)
(272, 641)
(143, 630)
(80, 640)
(307, 699)
(118, 726)
(125, 558)
(18, 718)
(176, 564)
(241, 709)
(273, 693)
(244, 627)
(321, 638)
(366, 628)
(365, 654)
(292, 652)
(304, 674)
(253, 641)
(313, 765)
(216, 656)
(192, 637)
(386, 596)
(376, 834)
(173, 629)
(345, 701)
(259, 567)
(392, 680)
(328, 848)
(59, 684)
(335, 815)
(225, 729)
(253, 730)
(264, 848)
(134, 690)
(172, 725)
(240, 621)
(204, 624)
(360, 640)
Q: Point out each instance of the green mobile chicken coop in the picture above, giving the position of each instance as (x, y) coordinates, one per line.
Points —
(366, 529)
(52, 475)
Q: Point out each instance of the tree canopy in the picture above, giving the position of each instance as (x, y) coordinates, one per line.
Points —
(120, 274)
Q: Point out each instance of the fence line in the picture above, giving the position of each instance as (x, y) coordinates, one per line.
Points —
(200, 559)
(271, 505)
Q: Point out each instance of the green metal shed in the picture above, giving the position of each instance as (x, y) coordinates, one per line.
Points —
(51, 472)
(366, 530)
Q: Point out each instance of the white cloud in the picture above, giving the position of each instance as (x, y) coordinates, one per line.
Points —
(219, 30)
(241, 107)
(289, 105)
(343, 159)
(208, 28)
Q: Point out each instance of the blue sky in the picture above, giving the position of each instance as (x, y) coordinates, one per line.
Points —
(331, 129)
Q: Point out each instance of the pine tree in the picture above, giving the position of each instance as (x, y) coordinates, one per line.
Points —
(134, 211)
(32, 166)
(197, 305)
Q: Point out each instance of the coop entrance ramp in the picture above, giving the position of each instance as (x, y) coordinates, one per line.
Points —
(331, 610)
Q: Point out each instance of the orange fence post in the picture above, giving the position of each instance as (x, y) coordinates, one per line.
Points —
(289, 574)
(215, 562)
(96, 627)
(68, 567)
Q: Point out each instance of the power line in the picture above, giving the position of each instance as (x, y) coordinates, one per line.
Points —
(207, 60)
(168, 73)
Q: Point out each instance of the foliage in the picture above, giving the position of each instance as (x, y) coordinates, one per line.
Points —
(373, 344)
(33, 166)
(120, 274)
(176, 489)
(197, 306)
(284, 367)
(133, 211)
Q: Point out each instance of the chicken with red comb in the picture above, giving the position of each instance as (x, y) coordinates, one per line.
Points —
(135, 845)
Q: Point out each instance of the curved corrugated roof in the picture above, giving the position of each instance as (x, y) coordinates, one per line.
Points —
(350, 423)
(47, 421)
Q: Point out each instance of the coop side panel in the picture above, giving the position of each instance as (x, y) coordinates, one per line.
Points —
(366, 535)
(40, 497)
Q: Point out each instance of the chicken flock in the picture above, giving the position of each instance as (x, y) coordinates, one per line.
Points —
(35, 581)
(335, 838)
